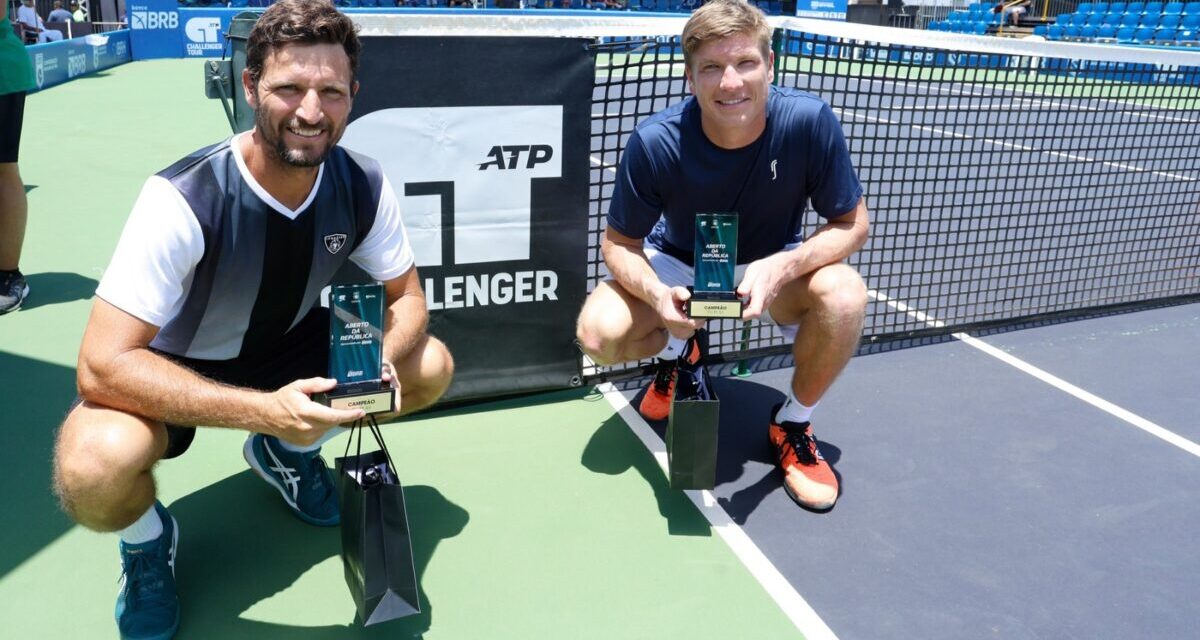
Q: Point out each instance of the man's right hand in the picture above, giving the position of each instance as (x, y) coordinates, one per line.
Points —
(671, 305)
(295, 418)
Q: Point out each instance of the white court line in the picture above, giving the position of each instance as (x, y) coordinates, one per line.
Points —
(599, 162)
(1033, 95)
(781, 591)
(1013, 145)
(1165, 435)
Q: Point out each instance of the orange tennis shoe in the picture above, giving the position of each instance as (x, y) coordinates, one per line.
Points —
(807, 477)
(656, 404)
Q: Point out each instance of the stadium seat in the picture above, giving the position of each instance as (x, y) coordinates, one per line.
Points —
(981, 28)
(1144, 34)
(1116, 7)
(1084, 7)
(1130, 20)
(1113, 18)
(1072, 32)
(1135, 8)
(1191, 9)
(1081, 19)
(1041, 30)
(1185, 35)
(1097, 7)
(1153, 7)
(1125, 35)
(1169, 21)
(1095, 19)
(1173, 7)
(1150, 20)
(1054, 32)
(1164, 34)
(1107, 32)
(1089, 32)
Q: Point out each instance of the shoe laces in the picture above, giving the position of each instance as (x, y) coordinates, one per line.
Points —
(8, 280)
(664, 375)
(144, 579)
(800, 437)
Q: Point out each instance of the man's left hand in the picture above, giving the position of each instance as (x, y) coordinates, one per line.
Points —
(760, 285)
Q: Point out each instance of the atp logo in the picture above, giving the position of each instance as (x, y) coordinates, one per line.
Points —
(535, 155)
(466, 193)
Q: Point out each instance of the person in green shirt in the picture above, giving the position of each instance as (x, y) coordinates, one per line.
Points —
(16, 77)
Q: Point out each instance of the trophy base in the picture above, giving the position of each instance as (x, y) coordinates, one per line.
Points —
(372, 396)
(714, 304)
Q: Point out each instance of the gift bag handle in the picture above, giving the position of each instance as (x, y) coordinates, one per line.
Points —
(368, 422)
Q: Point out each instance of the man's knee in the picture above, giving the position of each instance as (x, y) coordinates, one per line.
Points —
(840, 290)
(99, 455)
(427, 375)
(603, 325)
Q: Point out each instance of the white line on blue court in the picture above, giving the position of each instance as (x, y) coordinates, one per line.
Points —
(794, 606)
(1013, 145)
(1153, 429)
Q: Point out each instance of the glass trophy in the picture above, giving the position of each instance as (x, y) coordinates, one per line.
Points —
(356, 350)
(713, 290)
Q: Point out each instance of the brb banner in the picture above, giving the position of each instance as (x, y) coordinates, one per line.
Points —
(57, 62)
(827, 9)
(160, 29)
(490, 162)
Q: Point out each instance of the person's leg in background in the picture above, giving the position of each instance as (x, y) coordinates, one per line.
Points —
(14, 208)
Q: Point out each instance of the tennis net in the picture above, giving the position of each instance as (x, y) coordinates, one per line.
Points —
(1008, 181)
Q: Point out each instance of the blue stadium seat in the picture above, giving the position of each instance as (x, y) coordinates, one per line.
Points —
(1116, 7)
(1041, 30)
(1084, 7)
(1185, 35)
(1153, 7)
(1107, 32)
(1091, 31)
(1081, 19)
(1096, 19)
(1165, 34)
(1125, 35)
(1135, 8)
(1169, 21)
(1130, 20)
(1192, 9)
(981, 28)
(1064, 18)
(1144, 34)
(239, 4)
(1054, 32)
(1173, 7)
(1113, 18)
(1151, 19)
(1072, 32)
(1191, 20)
(1098, 7)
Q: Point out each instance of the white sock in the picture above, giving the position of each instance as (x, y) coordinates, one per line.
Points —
(674, 348)
(144, 529)
(793, 411)
(329, 435)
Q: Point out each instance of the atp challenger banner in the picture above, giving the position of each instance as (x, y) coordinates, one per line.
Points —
(486, 142)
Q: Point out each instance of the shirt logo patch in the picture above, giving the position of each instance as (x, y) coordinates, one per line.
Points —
(334, 242)
(773, 175)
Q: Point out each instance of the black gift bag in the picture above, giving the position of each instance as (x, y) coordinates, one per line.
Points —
(692, 431)
(376, 546)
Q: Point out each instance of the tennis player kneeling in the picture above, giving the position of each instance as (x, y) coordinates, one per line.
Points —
(209, 311)
(737, 145)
